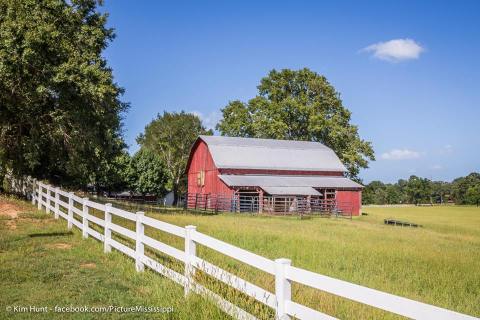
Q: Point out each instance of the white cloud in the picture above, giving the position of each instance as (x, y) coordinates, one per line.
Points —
(447, 149)
(401, 154)
(209, 120)
(395, 50)
(436, 167)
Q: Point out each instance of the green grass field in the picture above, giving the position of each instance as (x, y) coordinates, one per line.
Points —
(438, 263)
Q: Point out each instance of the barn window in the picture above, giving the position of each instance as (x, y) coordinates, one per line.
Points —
(201, 178)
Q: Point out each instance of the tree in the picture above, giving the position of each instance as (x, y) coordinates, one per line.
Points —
(440, 191)
(418, 190)
(464, 188)
(472, 195)
(393, 194)
(299, 105)
(148, 174)
(60, 115)
(170, 136)
(370, 193)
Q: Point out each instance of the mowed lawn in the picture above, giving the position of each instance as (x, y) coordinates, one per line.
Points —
(42, 264)
(438, 263)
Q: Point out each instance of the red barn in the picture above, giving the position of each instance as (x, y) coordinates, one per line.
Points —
(266, 175)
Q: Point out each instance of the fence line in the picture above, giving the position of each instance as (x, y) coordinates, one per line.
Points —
(281, 269)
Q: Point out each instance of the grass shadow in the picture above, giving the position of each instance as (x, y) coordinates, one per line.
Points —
(51, 234)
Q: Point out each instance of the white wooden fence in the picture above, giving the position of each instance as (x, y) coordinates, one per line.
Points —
(281, 301)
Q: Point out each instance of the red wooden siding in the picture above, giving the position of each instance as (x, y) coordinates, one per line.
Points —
(201, 160)
(350, 200)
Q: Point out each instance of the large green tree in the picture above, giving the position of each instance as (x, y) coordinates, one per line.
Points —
(299, 105)
(147, 173)
(171, 136)
(60, 109)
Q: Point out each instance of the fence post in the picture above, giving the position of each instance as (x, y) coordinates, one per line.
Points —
(47, 197)
(70, 210)
(190, 253)
(139, 247)
(57, 204)
(39, 196)
(84, 218)
(283, 288)
(107, 231)
(33, 190)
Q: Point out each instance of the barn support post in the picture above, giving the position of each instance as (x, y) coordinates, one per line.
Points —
(283, 288)
(260, 201)
(308, 204)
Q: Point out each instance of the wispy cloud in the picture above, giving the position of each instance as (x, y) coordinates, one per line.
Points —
(401, 154)
(395, 50)
(447, 149)
(436, 167)
(209, 120)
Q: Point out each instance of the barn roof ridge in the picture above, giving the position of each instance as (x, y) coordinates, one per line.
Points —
(263, 143)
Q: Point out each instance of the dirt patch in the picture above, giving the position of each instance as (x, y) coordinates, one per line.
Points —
(11, 224)
(59, 245)
(88, 265)
(9, 209)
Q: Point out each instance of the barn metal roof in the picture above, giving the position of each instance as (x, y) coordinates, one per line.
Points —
(288, 181)
(270, 154)
(303, 191)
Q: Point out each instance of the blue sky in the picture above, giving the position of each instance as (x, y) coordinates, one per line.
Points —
(408, 70)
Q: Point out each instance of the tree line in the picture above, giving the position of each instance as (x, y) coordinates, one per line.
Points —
(417, 190)
(61, 113)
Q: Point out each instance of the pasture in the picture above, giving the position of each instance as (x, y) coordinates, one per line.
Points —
(437, 263)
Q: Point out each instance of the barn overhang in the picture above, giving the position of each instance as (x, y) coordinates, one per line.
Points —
(291, 191)
(280, 181)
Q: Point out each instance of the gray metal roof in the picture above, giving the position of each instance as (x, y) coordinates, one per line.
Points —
(288, 181)
(303, 191)
(252, 153)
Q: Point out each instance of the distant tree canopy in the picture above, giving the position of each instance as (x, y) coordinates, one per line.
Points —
(299, 105)
(170, 136)
(465, 190)
(60, 109)
(144, 173)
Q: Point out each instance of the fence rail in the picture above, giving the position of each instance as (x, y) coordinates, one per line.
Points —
(48, 197)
